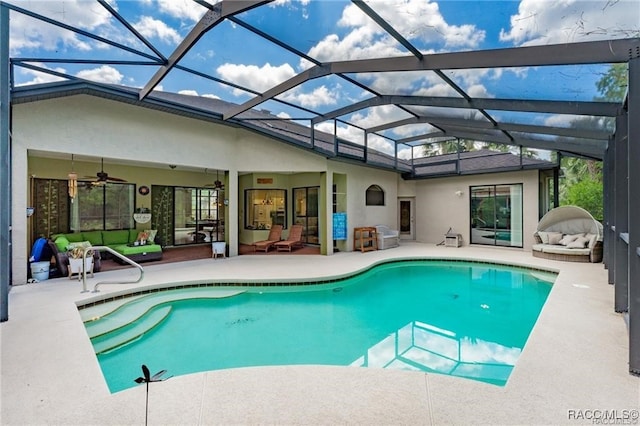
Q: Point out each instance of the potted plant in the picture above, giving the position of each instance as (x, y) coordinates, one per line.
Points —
(75, 260)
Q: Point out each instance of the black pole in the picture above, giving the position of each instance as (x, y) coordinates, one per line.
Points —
(146, 408)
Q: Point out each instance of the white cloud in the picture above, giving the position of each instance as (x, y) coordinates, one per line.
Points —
(210, 95)
(183, 9)
(378, 115)
(154, 28)
(540, 22)
(188, 92)
(415, 20)
(41, 77)
(254, 77)
(361, 43)
(319, 96)
(289, 2)
(28, 33)
(104, 74)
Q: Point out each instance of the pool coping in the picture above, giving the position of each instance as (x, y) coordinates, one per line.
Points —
(292, 282)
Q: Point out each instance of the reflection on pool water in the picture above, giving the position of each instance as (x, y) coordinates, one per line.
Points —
(464, 319)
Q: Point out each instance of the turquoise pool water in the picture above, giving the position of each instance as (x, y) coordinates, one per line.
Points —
(458, 318)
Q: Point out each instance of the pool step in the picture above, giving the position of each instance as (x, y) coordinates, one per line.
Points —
(123, 335)
(109, 317)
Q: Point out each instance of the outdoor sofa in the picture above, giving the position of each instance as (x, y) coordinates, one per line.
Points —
(570, 234)
(120, 240)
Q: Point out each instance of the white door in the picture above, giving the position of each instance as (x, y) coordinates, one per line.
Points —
(407, 218)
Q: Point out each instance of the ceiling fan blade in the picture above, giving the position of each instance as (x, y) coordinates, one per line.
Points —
(156, 377)
(146, 373)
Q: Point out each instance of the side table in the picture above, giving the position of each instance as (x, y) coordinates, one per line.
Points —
(365, 238)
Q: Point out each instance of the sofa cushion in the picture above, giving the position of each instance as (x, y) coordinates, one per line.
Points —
(555, 237)
(94, 237)
(592, 240)
(130, 250)
(133, 235)
(61, 243)
(116, 237)
(537, 247)
(75, 237)
(558, 249)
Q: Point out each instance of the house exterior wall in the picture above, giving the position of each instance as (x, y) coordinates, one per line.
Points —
(147, 141)
(358, 213)
(438, 207)
(95, 127)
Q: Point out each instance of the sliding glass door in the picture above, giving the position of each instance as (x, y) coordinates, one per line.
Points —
(198, 215)
(496, 215)
(305, 212)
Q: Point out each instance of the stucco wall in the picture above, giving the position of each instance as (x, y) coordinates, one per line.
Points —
(96, 127)
(358, 213)
(90, 126)
(438, 207)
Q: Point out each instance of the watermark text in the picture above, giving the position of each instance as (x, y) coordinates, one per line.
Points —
(606, 417)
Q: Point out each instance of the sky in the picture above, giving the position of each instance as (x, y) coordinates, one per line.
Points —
(325, 30)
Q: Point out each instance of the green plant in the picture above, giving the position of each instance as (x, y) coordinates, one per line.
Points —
(76, 253)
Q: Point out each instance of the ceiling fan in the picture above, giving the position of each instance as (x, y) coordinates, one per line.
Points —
(103, 177)
(217, 184)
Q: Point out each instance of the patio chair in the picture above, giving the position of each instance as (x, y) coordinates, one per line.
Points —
(293, 240)
(275, 235)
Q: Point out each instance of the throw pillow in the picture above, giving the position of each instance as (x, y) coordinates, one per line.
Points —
(555, 237)
(61, 243)
(592, 239)
(583, 240)
(142, 236)
(152, 234)
(568, 239)
(577, 244)
(544, 236)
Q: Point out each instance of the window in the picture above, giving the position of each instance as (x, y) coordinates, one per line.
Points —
(265, 207)
(496, 215)
(375, 196)
(104, 206)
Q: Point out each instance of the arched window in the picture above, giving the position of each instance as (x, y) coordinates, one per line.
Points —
(375, 196)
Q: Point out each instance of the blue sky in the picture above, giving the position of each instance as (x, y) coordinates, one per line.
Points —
(327, 30)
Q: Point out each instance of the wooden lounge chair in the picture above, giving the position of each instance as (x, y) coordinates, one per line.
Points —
(275, 235)
(293, 240)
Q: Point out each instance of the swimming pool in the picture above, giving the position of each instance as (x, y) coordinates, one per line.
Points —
(466, 319)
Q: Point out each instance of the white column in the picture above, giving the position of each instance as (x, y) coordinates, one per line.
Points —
(232, 221)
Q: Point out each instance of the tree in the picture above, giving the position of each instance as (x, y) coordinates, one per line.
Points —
(613, 84)
(582, 183)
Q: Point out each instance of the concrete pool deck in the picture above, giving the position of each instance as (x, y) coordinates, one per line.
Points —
(576, 359)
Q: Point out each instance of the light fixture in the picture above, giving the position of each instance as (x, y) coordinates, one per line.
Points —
(218, 184)
(72, 183)
(459, 193)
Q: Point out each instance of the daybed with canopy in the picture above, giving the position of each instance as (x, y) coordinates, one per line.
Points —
(569, 233)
